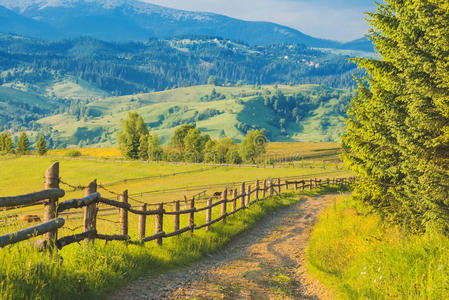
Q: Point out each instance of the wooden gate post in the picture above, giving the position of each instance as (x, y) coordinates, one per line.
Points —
(242, 195)
(234, 200)
(224, 204)
(176, 216)
(209, 213)
(142, 223)
(50, 212)
(90, 211)
(264, 188)
(257, 190)
(159, 224)
(248, 195)
(124, 214)
(192, 215)
(279, 186)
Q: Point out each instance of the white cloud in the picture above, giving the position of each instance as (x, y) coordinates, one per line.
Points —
(332, 19)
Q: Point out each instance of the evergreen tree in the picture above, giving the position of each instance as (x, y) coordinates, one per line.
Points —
(23, 144)
(129, 139)
(397, 139)
(41, 146)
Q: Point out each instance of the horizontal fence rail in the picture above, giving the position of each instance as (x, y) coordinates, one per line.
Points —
(230, 201)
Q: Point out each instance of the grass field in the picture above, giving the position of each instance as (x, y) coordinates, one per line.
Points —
(95, 270)
(359, 256)
(166, 110)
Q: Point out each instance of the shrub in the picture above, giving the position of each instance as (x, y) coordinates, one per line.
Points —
(73, 153)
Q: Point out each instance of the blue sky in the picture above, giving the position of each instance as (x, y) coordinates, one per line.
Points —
(341, 20)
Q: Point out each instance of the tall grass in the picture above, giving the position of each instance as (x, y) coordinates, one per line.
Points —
(361, 257)
(93, 271)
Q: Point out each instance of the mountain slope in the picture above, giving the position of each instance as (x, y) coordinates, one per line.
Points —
(121, 20)
(287, 113)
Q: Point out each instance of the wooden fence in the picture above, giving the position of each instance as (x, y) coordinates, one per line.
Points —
(230, 202)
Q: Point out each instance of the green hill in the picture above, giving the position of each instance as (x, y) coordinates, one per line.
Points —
(287, 113)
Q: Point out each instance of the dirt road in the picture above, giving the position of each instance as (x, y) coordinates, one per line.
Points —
(266, 262)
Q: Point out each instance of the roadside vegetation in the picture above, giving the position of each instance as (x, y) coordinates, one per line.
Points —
(360, 256)
(93, 271)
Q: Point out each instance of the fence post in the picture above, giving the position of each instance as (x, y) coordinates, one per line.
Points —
(90, 211)
(264, 188)
(311, 184)
(176, 217)
(124, 213)
(296, 185)
(257, 190)
(286, 184)
(303, 185)
(248, 195)
(142, 223)
(279, 186)
(192, 215)
(51, 182)
(234, 200)
(159, 224)
(224, 198)
(242, 195)
(208, 213)
(270, 187)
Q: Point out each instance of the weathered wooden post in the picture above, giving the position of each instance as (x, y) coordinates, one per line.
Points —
(209, 213)
(296, 185)
(51, 182)
(257, 190)
(124, 213)
(311, 184)
(142, 223)
(264, 188)
(159, 223)
(270, 187)
(286, 184)
(279, 186)
(234, 200)
(242, 195)
(90, 211)
(192, 215)
(224, 198)
(176, 216)
(303, 185)
(248, 195)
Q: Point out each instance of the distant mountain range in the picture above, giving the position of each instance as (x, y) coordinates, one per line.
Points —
(132, 20)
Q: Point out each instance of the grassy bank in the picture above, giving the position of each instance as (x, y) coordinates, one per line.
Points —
(360, 257)
(94, 271)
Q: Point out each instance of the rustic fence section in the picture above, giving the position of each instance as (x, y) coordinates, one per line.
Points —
(50, 196)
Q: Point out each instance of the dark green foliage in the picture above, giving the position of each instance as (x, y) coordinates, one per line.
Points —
(23, 144)
(129, 139)
(6, 143)
(397, 140)
(180, 134)
(41, 146)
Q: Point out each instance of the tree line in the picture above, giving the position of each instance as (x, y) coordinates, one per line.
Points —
(187, 144)
(397, 138)
(7, 145)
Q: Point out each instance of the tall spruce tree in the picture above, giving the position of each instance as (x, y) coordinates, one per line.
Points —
(41, 146)
(397, 138)
(23, 144)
